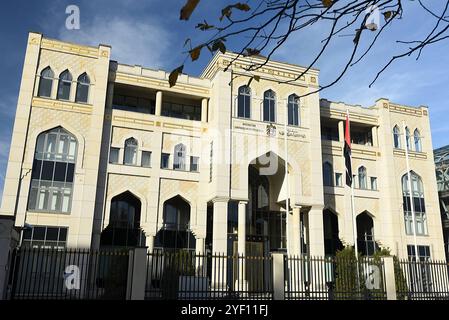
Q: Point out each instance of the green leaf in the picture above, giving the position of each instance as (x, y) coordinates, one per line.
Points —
(174, 76)
(251, 52)
(188, 8)
(219, 45)
(242, 6)
(204, 26)
(195, 53)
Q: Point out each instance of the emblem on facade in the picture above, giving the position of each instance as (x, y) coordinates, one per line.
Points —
(271, 130)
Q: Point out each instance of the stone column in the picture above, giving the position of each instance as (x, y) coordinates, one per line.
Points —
(242, 245)
(341, 131)
(374, 135)
(204, 109)
(316, 233)
(158, 103)
(219, 244)
(294, 235)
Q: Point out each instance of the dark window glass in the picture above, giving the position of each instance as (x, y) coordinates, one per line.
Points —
(70, 172)
(165, 160)
(36, 169)
(62, 234)
(65, 83)
(52, 234)
(47, 170)
(82, 88)
(60, 171)
(45, 83)
(27, 233)
(39, 233)
(244, 102)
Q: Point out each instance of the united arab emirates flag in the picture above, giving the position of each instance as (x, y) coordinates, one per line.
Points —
(347, 152)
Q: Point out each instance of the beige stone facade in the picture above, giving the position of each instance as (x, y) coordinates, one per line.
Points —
(131, 102)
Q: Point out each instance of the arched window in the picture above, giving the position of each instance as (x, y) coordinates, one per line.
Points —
(293, 110)
(417, 137)
(65, 82)
(82, 88)
(397, 137)
(362, 178)
(365, 234)
(46, 83)
(244, 102)
(408, 138)
(131, 147)
(328, 179)
(53, 172)
(175, 233)
(332, 242)
(269, 106)
(418, 204)
(124, 222)
(179, 160)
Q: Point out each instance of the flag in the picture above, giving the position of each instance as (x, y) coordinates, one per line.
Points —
(347, 152)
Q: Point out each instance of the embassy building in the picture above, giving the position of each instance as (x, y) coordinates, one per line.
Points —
(105, 154)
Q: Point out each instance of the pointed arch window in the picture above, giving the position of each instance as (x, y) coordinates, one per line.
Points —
(244, 102)
(46, 83)
(82, 88)
(53, 172)
(363, 178)
(293, 110)
(179, 161)
(417, 138)
(131, 147)
(408, 138)
(64, 85)
(328, 175)
(418, 204)
(397, 137)
(269, 106)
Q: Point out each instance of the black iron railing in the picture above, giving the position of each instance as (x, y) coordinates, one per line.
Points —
(190, 276)
(40, 273)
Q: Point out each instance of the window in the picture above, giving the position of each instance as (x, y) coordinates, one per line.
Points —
(53, 172)
(362, 178)
(46, 83)
(396, 137)
(181, 111)
(339, 179)
(373, 183)
(269, 106)
(194, 164)
(146, 159)
(328, 175)
(113, 155)
(244, 102)
(45, 237)
(133, 103)
(179, 162)
(131, 146)
(423, 252)
(418, 205)
(165, 160)
(407, 137)
(82, 88)
(65, 82)
(293, 110)
(417, 138)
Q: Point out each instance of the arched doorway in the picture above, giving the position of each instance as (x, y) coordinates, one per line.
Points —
(175, 233)
(124, 223)
(332, 242)
(365, 235)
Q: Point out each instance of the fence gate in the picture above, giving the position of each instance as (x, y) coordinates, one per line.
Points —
(39, 273)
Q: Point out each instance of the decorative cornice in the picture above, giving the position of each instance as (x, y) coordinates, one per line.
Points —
(61, 105)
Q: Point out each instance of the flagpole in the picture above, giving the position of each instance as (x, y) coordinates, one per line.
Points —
(354, 219)
(287, 182)
(409, 178)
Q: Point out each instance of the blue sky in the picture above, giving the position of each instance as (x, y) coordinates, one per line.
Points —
(149, 33)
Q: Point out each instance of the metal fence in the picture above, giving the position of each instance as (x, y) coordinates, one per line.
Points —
(68, 274)
(189, 276)
(422, 280)
(316, 278)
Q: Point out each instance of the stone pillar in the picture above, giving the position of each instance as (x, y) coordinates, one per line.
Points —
(316, 232)
(149, 242)
(375, 137)
(137, 274)
(219, 245)
(204, 109)
(7, 243)
(294, 235)
(390, 283)
(158, 109)
(278, 276)
(341, 131)
(242, 245)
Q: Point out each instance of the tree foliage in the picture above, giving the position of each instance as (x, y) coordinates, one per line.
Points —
(264, 26)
